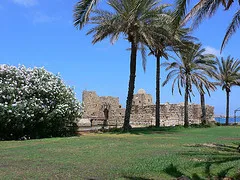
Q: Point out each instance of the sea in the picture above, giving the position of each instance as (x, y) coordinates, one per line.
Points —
(222, 120)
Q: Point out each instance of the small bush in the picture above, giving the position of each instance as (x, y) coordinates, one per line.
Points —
(218, 124)
(35, 103)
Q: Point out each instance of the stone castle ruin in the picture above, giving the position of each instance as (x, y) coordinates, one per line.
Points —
(106, 110)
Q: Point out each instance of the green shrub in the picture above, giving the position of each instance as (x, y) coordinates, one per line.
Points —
(35, 103)
(218, 124)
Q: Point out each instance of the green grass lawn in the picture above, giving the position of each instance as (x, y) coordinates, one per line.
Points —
(164, 153)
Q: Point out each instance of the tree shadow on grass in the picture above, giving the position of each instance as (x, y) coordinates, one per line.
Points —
(147, 130)
(219, 147)
(173, 171)
(221, 154)
(155, 130)
(135, 178)
(128, 178)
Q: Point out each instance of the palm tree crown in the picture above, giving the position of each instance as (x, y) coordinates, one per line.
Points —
(135, 19)
(227, 73)
(193, 62)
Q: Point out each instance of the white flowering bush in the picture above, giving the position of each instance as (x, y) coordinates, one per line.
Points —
(35, 103)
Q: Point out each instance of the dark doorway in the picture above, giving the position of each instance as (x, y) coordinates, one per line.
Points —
(106, 115)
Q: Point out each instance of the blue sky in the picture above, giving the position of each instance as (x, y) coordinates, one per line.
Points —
(41, 33)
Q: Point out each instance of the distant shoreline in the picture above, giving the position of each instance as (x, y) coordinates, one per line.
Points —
(221, 116)
(231, 119)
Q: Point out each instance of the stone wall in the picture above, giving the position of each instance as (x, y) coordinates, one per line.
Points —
(143, 111)
(92, 104)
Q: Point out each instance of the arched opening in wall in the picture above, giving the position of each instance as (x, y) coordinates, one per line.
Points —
(105, 109)
(106, 115)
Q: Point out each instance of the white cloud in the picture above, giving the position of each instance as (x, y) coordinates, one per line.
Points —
(26, 3)
(39, 17)
(212, 50)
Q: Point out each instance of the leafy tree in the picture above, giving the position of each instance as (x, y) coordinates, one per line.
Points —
(133, 19)
(227, 75)
(35, 103)
(189, 71)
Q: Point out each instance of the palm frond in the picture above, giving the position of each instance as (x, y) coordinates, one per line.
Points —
(82, 11)
(194, 68)
(234, 25)
(144, 57)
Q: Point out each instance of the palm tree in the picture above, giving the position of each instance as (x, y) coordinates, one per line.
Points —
(207, 8)
(209, 69)
(173, 39)
(205, 88)
(163, 36)
(189, 71)
(209, 86)
(227, 75)
(135, 20)
(82, 11)
(209, 63)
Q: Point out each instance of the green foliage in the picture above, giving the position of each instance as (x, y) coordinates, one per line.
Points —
(195, 66)
(227, 73)
(136, 20)
(35, 103)
(218, 123)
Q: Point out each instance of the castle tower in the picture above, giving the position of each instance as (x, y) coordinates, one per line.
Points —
(142, 98)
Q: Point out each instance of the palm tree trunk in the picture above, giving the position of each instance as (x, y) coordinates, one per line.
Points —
(157, 113)
(227, 108)
(126, 125)
(186, 122)
(203, 107)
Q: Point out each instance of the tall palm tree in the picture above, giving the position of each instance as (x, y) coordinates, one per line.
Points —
(187, 72)
(82, 11)
(173, 39)
(227, 75)
(205, 88)
(207, 8)
(163, 36)
(133, 19)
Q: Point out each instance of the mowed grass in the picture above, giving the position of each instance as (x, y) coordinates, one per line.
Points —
(164, 153)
